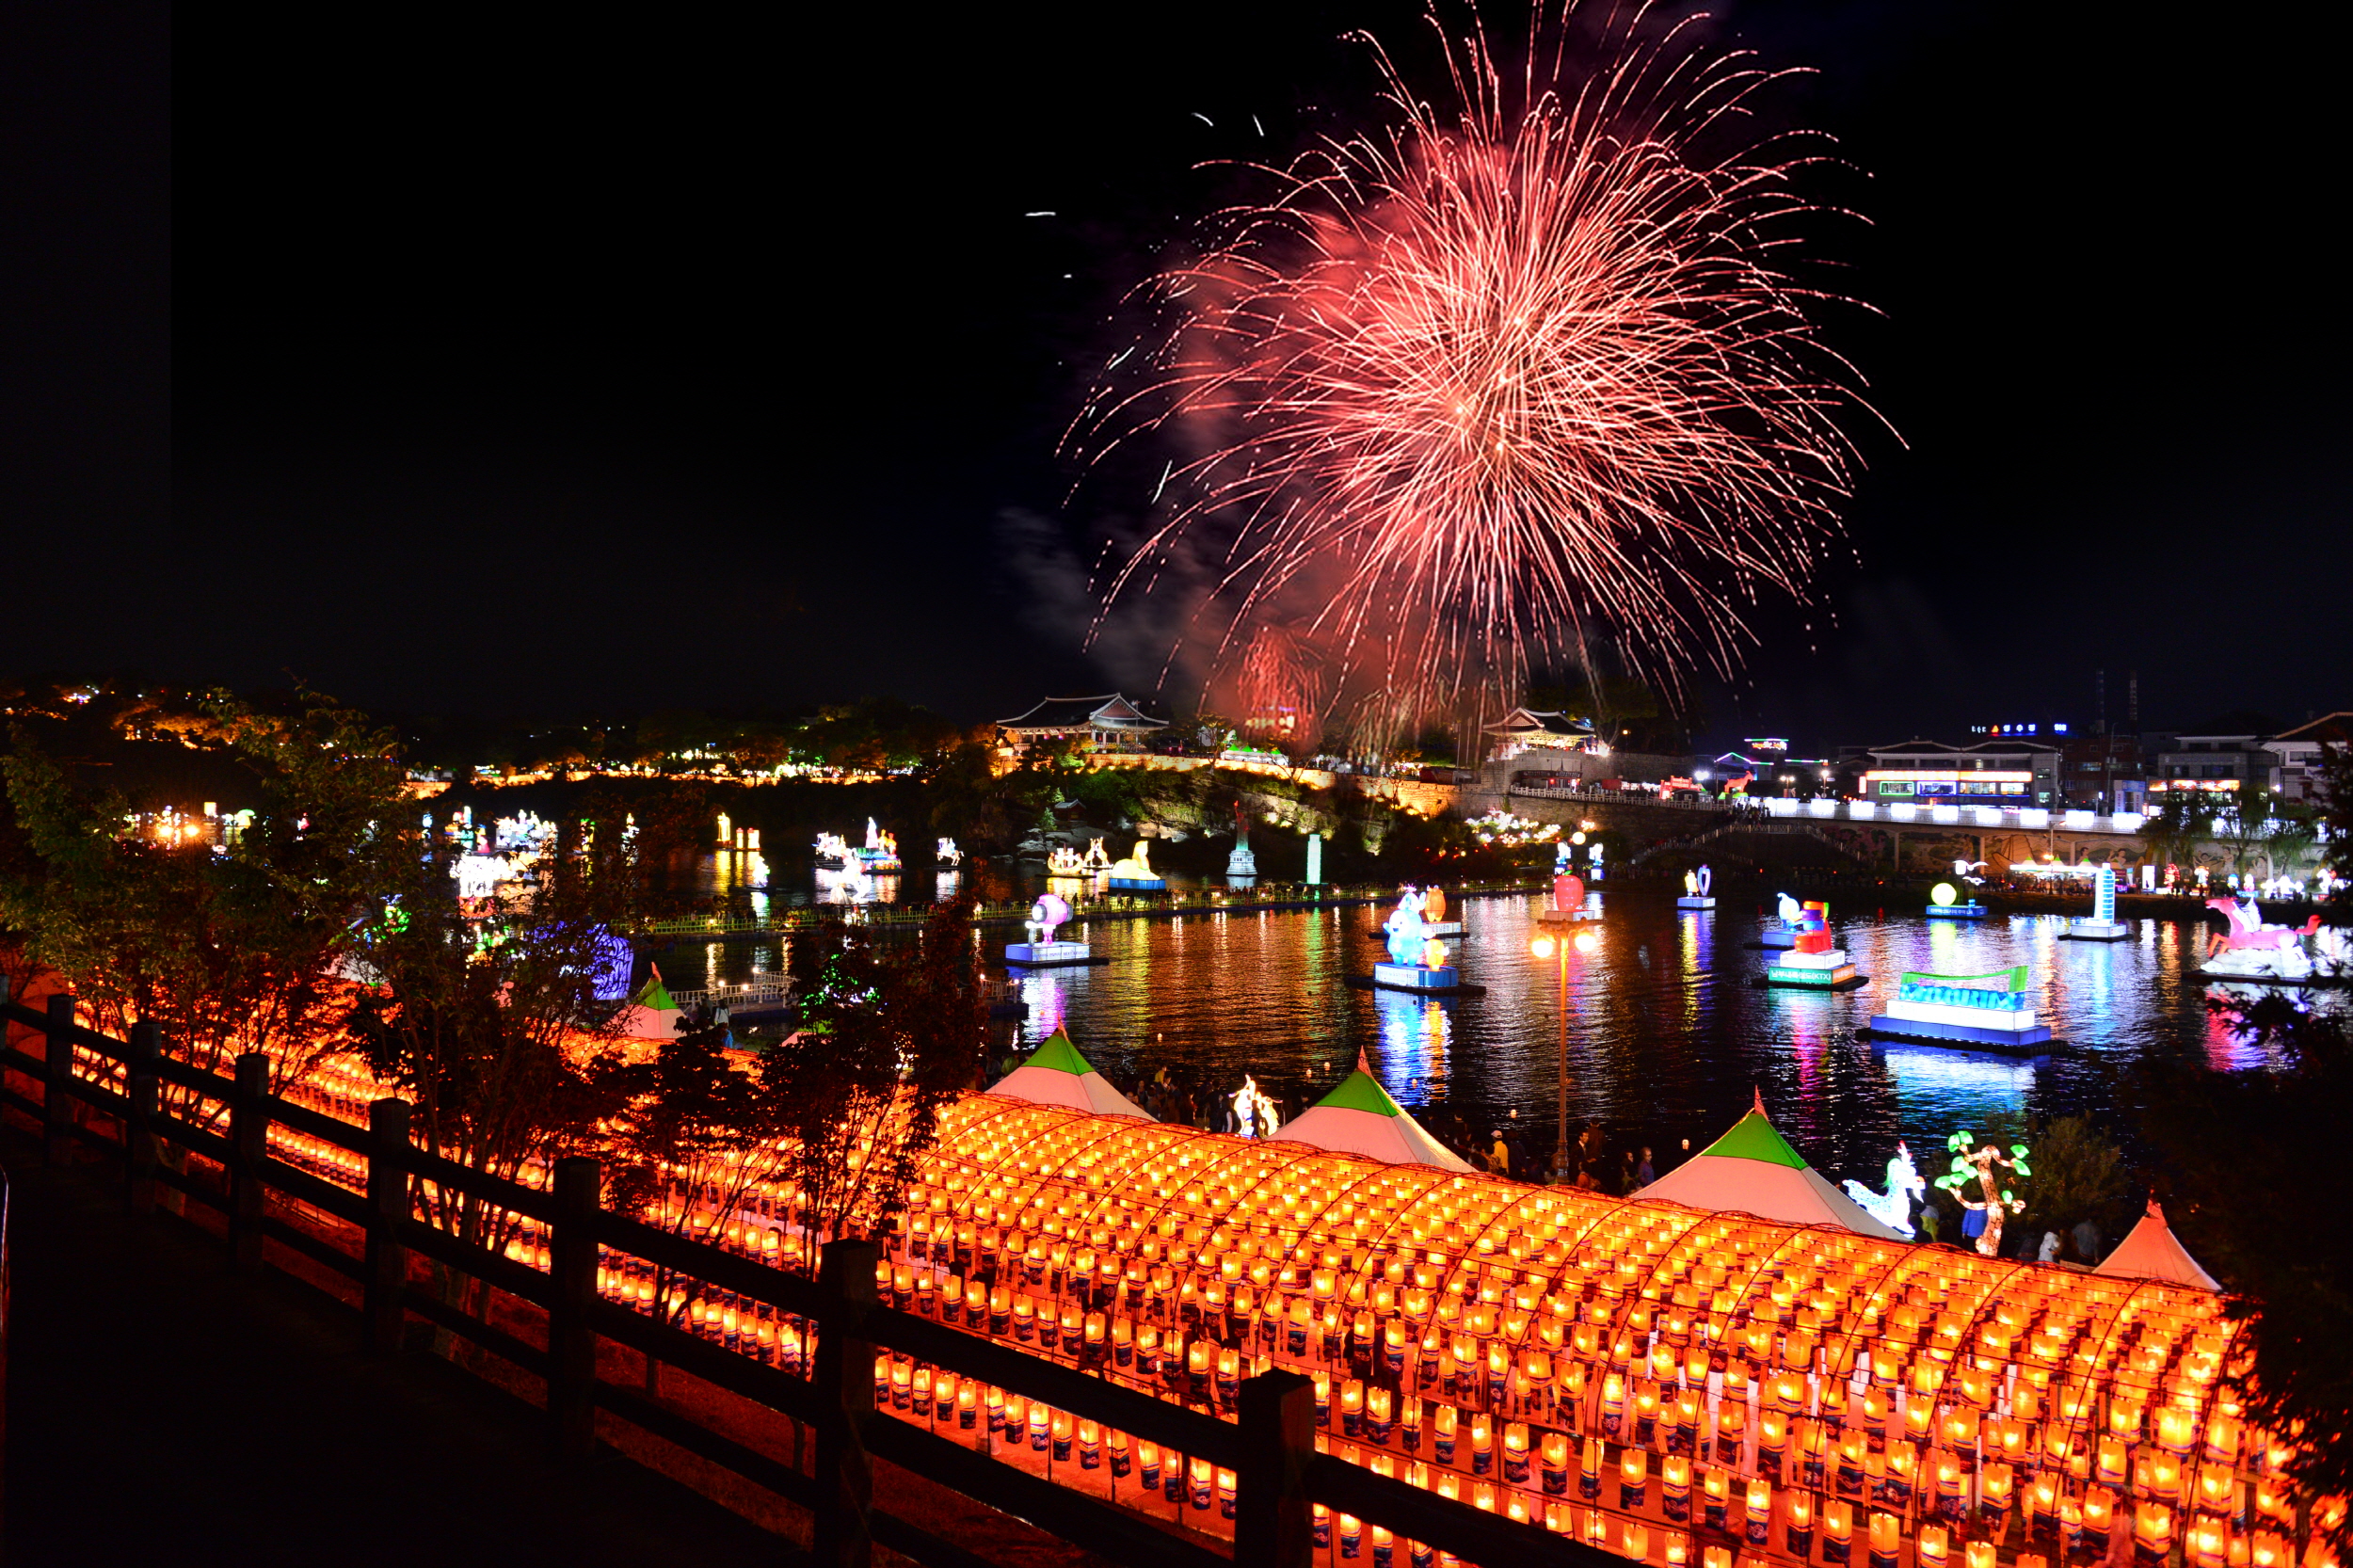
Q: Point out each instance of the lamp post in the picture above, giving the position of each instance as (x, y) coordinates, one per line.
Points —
(1545, 947)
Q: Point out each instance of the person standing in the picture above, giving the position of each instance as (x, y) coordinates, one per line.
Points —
(1499, 1157)
(1644, 1174)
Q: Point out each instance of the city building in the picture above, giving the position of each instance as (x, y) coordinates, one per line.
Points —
(2224, 753)
(2005, 772)
(1108, 723)
(2296, 769)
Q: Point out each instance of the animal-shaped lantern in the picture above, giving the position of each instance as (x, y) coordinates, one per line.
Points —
(1893, 1207)
(1137, 867)
(1048, 912)
(1409, 933)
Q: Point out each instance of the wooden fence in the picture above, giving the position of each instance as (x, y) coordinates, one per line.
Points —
(1269, 1447)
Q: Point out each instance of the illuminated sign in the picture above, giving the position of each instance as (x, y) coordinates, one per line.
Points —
(1765, 743)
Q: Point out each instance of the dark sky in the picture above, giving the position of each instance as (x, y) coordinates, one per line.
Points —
(595, 365)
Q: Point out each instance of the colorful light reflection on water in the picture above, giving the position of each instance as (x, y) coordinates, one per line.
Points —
(1667, 1034)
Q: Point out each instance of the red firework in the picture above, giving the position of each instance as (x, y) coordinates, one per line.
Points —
(1513, 383)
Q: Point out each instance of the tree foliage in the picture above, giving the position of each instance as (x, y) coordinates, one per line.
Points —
(226, 951)
(2257, 1186)
(891, 1034)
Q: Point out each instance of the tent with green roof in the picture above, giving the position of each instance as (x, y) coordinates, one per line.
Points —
(1056, 1074)
(1752, 1170)
(650, 1013)
(1359, 1117)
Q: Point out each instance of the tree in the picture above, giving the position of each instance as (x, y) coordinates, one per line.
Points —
(229, 949)
(890, 1036)
(701, 1132)
(2179, 821)
(2255, 1180)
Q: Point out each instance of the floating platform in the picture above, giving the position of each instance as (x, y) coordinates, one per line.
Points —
(1041, 955)
(1992, 1042)
(1830, 969)
(1691, 902)
(1139, 883)
(2095, 931)
(1370, 982)
(1842, 979)
(1973, 910)
(1587, 916)
(2014, 1052)
(2318, 977)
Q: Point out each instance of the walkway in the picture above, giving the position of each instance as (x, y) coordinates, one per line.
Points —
(161, 1410)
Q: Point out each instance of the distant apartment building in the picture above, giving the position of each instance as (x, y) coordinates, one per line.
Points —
(2296, 755)
(2222, 754)
(2005, 772)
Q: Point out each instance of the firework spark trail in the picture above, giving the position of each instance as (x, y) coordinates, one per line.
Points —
(1516, 382)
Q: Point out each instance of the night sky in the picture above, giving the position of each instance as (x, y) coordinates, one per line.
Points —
(597, 364)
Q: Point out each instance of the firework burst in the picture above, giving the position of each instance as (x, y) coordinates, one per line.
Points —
(1513, 384)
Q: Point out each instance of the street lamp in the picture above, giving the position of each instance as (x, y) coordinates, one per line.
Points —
(1545, 947)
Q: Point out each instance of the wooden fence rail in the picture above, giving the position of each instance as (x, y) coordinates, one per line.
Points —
(1269, 1447)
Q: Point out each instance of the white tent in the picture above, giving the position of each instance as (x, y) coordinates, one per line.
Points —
(1056, 1074)
(1752, 1170)
(2151, 1252)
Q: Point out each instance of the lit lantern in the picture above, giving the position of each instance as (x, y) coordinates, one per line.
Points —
(1951, 1497)
(1482, 1444)
(2115, 1467)
(2209, 1544)
(1851, 1447)
(1226, 1482)
(1758, 1518)
(1442, 1434)
(2165, 1476)
(1122, 1459)
(967, 1406)
(1674, 1487)
(1678, 1550)
(1200, 1484)
(1633, 1478)
(1589, 1470)
(2099, 1520)
(1613, 1405)
(1041, 1427)
(1515, 1452)
(1634, 1540)
(1147, 1465)
(1378, 1405)
(2043, 1506)
(1715, 1496)
(2153, 1534)
(1813, 1449)
(1886, 1539)
(922, 1392)
(1933, 1549)
(1838, 1531)
(1797, 1527)
(1646, 1414)
(1731, 1422)
(1772, 1442)
(1412, 1425)
(1995, 1485)
(996, 1411)
(1555, 1455)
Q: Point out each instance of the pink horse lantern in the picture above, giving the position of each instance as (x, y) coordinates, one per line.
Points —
(2253, 948)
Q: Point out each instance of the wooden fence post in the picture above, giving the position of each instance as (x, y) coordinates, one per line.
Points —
(388, 1205)
(141, 1085)
(843, 1376)
(56, 1072)
(249, 1147)
(1274, 1527)
(572, 1339)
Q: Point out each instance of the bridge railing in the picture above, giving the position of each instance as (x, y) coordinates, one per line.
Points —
(90, 1088)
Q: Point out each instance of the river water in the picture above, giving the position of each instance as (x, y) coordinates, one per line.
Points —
(1666, 1035)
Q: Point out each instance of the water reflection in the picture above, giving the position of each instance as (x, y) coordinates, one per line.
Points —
(1667, 1034)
